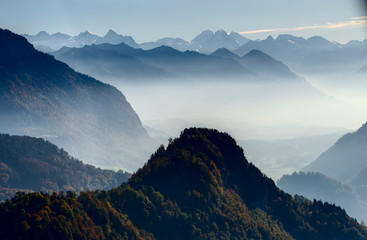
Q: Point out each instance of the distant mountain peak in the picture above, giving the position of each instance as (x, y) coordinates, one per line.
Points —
(87, 33)
(238, 38)
(111, 33)
(221, 32)
(164, 49)
(258, 53)
(224, 52)
(209, 32)
(319, 40)
(42, 34)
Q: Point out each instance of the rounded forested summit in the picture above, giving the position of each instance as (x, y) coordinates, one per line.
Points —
(200, 187)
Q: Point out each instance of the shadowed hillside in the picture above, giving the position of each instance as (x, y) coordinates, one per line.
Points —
(40, 96)
(200, 187)
(33, 164)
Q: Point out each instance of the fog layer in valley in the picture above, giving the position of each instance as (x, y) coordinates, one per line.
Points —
(262, 111)
(268, 90)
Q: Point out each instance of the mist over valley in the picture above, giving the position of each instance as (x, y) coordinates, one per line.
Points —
(196, 133)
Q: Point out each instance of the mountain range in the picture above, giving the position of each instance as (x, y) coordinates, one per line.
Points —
(345, 161)
(338, 175)
(205, 42)
(33, 165)
(315, 185)
(52, 42)
(40, 96)
(313, 55)
(200, 187)
(260, 63)
(121, 62)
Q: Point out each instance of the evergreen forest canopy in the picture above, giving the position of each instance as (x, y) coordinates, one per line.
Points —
(200, 187)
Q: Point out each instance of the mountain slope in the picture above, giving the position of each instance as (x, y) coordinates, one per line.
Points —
(114, 38)
(238, 38)
(312, 55)
(260, 63)
(345, 158)
(200, 187)
(40, 96)
(104, 63)
(176, 43)
(56, 41)
(208, 42)
(266, 66)
(33, 164)
(160, 62)
(224, 52)
(318, 186)
(49, 42)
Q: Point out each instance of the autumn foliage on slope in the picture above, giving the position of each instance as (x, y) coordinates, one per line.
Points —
(200, 187)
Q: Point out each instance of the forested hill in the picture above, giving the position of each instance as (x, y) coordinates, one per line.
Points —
(33, 164)
(200, 187)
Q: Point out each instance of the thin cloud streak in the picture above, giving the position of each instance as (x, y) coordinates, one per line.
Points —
(358, 18)
(353, 22)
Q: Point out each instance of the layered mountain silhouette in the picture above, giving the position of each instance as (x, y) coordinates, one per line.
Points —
(260, 63)
(104, 61)
(33, 164)
(309, 56)
(121, 61)
(200, 187)
(48, 42)
(206, 42)
(345, 159)
(176, 43)
(52, 42)
(338, 175)
(40, 96)
(314, 185)
(280, 156)
(312, 55)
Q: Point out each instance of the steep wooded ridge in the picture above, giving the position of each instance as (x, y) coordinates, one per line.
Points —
(40, 96)
(200, 187)
(33, 164)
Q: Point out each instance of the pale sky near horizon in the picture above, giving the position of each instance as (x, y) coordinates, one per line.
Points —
(147, 20)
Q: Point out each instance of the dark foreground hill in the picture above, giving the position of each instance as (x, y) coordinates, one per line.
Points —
(33, 164)
(40, 96)
(200, 187)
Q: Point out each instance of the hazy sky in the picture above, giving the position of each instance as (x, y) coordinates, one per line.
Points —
(148, 20)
